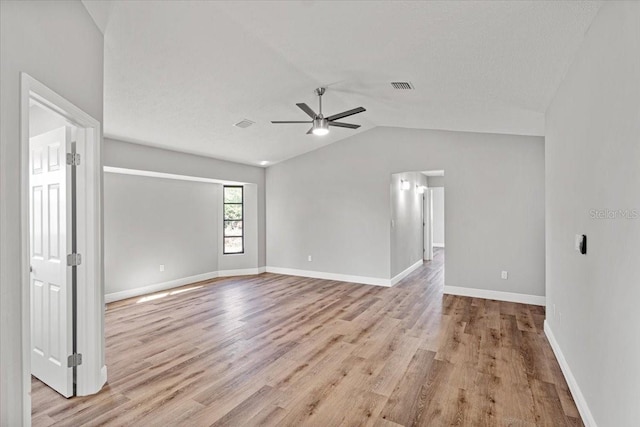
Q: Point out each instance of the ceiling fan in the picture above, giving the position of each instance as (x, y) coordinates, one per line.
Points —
(320, 124)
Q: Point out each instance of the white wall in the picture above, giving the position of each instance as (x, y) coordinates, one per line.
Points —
(58, 44)
(435, 181)
(152, 221)
(593, 162)
(134, 156)
(334, 203)
(406, 227)
(177, 223)
(42, 120)
(438, 216)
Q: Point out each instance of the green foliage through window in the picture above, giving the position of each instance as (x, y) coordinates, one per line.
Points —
(233, 233)
(233, 194)
(232, 211)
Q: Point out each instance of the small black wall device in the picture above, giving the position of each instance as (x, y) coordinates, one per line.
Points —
(583, 244)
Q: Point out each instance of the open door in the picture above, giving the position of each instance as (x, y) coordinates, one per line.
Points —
(51, 277)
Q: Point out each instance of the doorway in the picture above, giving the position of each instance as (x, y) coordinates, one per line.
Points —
(62, 292)
(434, 215)
(52, 229)
(437, 203)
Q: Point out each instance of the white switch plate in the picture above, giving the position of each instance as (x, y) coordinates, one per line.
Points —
(577, 242)
(161, 267)
(309, 258)
(504, 275)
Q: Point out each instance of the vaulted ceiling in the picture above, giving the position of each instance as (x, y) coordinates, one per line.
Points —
(179, 74)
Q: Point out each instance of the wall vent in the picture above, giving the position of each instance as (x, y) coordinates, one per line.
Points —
(402, 85)
(244, 123)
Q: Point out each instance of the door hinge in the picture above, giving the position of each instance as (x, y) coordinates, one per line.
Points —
(74, 260)
(74, 360)
(73, 159)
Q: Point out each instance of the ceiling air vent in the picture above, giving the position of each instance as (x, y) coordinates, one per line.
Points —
(402, 85)
(244, 123)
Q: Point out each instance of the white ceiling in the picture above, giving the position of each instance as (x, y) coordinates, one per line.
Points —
(180, 74)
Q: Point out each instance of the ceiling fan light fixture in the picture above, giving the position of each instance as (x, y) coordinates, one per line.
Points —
(320, 126)
(319, 123)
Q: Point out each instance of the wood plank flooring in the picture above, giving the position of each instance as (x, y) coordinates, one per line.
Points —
(290, 351)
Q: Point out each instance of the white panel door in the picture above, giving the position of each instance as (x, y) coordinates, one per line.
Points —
(50, 233)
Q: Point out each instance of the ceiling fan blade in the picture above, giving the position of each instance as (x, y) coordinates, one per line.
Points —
(346, 113)
(310, 131)
(344, 125)
(304, 107)
(280, 121)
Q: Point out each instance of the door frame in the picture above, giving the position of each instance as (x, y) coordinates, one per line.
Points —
(92, 373)
(427, 224)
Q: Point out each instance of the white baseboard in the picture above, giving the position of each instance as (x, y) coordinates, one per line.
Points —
(330, 276)
(130, 293)
(157, 287)
(103, 375)
(241, 272)
(406, 272)
(496, 295)
(438, 245)
(578, 397)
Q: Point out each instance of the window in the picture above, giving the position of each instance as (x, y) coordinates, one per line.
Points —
(233, 211)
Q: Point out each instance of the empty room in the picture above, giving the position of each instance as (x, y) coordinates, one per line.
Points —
(319, 213)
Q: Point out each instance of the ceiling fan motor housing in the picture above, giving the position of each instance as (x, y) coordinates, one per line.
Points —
(320, 125)
(320, 122)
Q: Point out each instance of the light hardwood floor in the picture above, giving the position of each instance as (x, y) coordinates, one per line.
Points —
(282, 350)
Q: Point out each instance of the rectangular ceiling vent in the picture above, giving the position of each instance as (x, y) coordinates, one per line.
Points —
(402, 85)
(244, 123)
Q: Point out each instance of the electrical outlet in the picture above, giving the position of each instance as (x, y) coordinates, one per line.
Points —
(161, 267)
(309, 258)
(504, 275)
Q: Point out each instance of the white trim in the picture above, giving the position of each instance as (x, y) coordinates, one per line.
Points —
(90, 312)
(495, 295)
(433, 173)
(163, 286)
(428, 221)
(24, 235)
(153, 174)
(330, 276)
(143, 290)
(438, 245)
(578, 397)
(240, 272)
(103, 374)
(406, 272)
